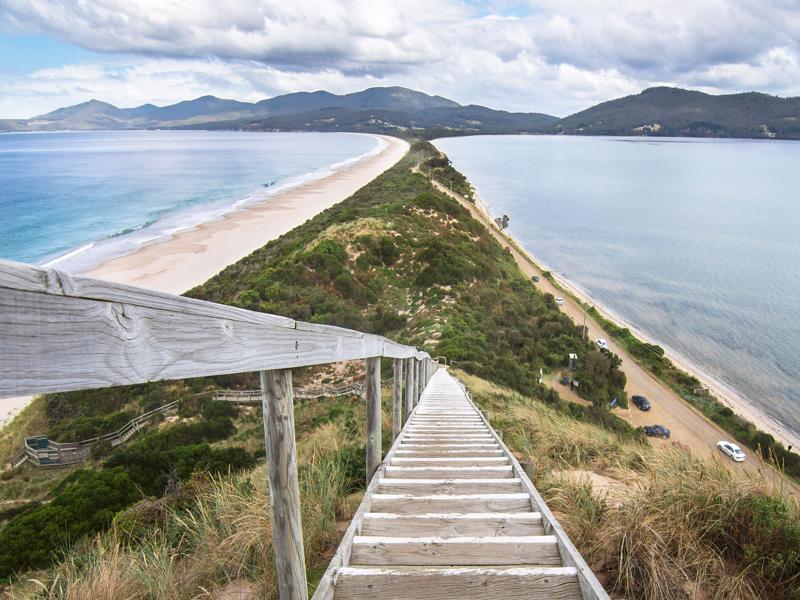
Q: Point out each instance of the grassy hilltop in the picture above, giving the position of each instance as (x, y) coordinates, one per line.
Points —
(190, 515)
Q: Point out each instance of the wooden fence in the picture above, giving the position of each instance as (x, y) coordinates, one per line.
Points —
(43, 452)
(61, 333)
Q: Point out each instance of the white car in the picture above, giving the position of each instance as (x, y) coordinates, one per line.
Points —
(559, 300)
(601, 343)
(732, 450)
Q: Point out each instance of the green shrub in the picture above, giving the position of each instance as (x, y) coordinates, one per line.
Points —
(218, 409)
(85, 504)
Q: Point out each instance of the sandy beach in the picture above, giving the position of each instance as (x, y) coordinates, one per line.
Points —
(191, 257)
(689, 427)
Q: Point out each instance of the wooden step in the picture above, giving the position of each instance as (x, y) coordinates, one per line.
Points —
(401, 453)
(550, 583)
(471, 422)
(449, 472)
(419, 429)
(408, 504)
(455, 446)
(426, 487)
(444, 440)
(449, 461)
(468, 551)
(453, 525)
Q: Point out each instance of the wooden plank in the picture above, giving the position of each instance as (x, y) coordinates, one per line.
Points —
(447, 429)
(453, 525)
(554, 583)
(405, 504)
(397, 398)
(449, 472)
(445, 439)
(426, 487)
(449, 461)
(284, 490)
(408, 372)
(450, 444)
(61, 332)
(373, 426)
(466, 551)
(448, 452)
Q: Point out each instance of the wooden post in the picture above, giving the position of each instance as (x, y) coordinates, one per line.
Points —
(408, 369)
(420, 379)
(416, 382)
(373, 434)
(284, 491)
(529, 468)
(397, 398)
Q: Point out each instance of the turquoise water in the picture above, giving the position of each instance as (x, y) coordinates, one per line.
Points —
(75, 199)
(696, 243)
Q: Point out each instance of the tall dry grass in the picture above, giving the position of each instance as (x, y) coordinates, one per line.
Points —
(218, 532)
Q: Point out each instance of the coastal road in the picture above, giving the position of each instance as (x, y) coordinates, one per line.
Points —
(689, 427)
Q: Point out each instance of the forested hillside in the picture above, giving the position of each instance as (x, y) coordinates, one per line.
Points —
(664, 111)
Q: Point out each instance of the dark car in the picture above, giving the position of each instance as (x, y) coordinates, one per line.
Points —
(535, 279)
(657, 431)
(641, 402)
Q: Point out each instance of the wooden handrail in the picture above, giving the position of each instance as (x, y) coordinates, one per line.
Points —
(60, 332)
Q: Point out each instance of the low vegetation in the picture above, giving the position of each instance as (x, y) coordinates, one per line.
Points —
(441, 169)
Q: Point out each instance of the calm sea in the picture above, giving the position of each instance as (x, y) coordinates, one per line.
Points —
(75, 199)
(696, 243)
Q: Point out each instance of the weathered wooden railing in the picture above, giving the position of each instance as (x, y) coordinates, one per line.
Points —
(43, 452)
(60, 333)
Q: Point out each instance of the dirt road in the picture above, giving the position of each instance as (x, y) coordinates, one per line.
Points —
(689, 427)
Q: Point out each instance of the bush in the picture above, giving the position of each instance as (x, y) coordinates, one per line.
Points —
(218, 409)
(81, 428)
(85, 504)
(179, 450)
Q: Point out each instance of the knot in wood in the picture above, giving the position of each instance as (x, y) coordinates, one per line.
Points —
(124, 323)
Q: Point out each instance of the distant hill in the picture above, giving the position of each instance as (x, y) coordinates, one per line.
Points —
(666, 111)
(433, 122)
(658, 111)
(375, 109)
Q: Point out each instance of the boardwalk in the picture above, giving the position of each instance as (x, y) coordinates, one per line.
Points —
(450, 514)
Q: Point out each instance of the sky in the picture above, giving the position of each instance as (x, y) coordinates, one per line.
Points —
(552, 56)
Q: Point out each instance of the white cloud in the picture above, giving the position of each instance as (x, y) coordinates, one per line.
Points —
(553, 56)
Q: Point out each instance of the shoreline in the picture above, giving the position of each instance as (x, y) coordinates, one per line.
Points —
(723, 393)
(192, 256)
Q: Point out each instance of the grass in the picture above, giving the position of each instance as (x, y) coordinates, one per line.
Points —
(215, 531)
(682, 528)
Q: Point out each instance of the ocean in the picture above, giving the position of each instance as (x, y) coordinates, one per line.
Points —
(74, 199)
(695, 243)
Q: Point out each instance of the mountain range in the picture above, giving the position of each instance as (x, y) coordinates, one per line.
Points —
(660, 111)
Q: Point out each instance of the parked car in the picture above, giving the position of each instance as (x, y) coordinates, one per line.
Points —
(535, 279)
(559, 300)
(641, 402)
(601, 343)
(657, 431)
(732, 450)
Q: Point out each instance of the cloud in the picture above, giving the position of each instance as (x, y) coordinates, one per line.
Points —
(554, 56)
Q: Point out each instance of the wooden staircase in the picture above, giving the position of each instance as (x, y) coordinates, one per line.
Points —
(451, 515)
